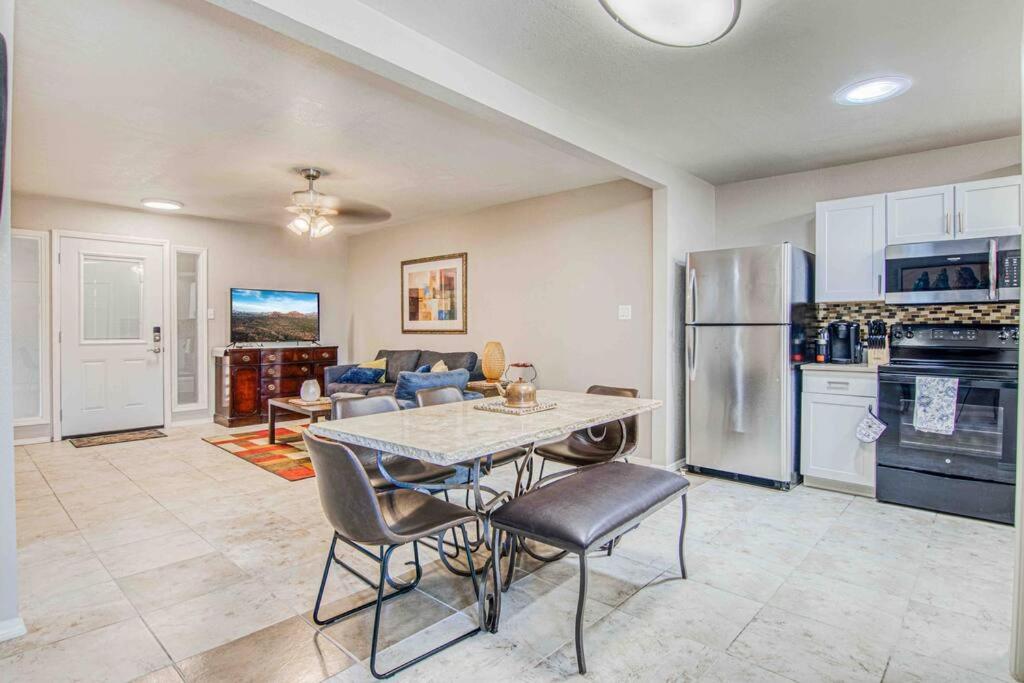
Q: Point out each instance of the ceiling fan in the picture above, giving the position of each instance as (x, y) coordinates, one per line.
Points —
(312, 209)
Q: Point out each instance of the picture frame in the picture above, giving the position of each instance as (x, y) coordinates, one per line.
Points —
(435, 293)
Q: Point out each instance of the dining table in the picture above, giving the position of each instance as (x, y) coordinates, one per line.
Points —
(460, 435)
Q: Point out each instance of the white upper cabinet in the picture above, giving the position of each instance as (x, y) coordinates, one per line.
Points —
(989, 208)
(850, 249)
(922, 215)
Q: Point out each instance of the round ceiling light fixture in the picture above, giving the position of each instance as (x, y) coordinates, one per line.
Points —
(676, 23)
(872, 90)
(162, 204)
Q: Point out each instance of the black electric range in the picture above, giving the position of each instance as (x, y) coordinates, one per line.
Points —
(970, 472)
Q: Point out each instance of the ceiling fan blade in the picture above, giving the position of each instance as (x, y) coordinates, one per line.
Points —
(350, 211)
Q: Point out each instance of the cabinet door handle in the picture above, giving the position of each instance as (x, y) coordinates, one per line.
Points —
(949, 223)
(879, 285)
(960, 221)
(833, 384)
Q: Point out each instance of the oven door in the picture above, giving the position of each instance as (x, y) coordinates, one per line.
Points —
(983, 443)
(941, 272)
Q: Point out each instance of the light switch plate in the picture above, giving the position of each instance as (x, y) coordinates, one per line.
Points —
(209, 314)
(625, 312)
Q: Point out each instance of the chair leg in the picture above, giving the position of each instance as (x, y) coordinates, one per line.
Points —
(581, 661)
(682, 536)
(333, 559)
(374, 642)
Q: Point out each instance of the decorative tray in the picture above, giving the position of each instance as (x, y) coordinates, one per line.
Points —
(500, 407)
(310, 404)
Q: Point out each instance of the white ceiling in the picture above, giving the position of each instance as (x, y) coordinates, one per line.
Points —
(758, 102)
(115, 101)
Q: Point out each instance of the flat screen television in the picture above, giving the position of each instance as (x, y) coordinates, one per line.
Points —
(274, 315)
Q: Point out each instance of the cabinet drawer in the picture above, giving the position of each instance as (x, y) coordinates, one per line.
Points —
(244, 356)
(272, 388)
(842, 384)
(279, 371)
(297, 355)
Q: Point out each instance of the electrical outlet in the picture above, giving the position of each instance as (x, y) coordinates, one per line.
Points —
(209, 314)
(625, 312)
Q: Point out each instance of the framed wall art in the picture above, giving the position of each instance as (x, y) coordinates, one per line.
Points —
(434, 295)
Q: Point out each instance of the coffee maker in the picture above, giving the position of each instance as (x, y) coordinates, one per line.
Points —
(844, 342)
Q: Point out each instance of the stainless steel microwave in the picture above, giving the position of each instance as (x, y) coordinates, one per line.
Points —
(953, 271)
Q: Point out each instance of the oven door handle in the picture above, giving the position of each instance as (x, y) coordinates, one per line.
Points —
(965, 382)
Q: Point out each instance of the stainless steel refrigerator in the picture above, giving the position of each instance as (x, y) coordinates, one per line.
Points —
(745, 311)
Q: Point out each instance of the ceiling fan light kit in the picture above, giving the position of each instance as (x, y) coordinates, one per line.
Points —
(676, 23)
(309, 205)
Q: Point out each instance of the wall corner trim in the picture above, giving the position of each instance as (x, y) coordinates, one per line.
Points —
(12, 628)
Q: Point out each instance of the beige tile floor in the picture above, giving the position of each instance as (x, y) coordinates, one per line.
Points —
(172, 560)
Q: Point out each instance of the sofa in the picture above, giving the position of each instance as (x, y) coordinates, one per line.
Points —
(401, 361)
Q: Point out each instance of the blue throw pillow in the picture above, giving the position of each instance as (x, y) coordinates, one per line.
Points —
(411, 382)
(362, 376)
(423, 368)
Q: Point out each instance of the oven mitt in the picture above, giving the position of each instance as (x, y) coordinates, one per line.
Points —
(870, 428)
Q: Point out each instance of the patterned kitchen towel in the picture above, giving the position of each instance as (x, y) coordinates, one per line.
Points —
(935, 408)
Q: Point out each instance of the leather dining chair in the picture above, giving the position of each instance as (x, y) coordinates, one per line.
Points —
(595, 444)
(405, 470)
(361, 515)
(440, 395)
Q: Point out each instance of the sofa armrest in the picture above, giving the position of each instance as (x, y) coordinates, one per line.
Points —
(334, 372)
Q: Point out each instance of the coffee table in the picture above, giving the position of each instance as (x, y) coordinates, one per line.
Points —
(314, 411)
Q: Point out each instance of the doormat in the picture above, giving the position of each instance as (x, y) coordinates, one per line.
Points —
(121, 437)
(287, 458)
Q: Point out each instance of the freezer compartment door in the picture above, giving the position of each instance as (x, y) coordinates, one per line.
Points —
(748, 286)
(740, 404)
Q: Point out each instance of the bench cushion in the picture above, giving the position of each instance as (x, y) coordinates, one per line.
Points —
(575, 512)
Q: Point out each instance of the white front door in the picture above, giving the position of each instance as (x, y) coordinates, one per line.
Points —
(111, 313)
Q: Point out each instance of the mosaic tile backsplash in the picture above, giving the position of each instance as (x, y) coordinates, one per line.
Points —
(1004, 313)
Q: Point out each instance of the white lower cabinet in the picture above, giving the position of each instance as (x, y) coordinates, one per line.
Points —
(831, 456)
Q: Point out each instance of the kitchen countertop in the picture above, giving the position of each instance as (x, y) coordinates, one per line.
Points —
(839, 367)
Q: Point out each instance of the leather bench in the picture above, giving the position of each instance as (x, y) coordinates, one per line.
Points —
(586, 510)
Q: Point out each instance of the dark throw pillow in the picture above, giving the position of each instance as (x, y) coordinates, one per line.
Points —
(361, 376)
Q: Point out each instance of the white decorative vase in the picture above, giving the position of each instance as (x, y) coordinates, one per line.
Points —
(310, 390)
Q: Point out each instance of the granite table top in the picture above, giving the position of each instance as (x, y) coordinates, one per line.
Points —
(456, 432)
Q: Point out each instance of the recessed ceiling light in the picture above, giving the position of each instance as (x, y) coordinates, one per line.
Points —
(676, 23)
(162, 204)
(873, 90)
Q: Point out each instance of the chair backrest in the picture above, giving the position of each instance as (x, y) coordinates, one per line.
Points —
(438, 395)
(366, 405)
(348, 500)
(610, 434)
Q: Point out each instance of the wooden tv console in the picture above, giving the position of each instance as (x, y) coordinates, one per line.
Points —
(246, 378)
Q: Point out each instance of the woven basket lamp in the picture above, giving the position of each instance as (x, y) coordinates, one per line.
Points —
(493, 361)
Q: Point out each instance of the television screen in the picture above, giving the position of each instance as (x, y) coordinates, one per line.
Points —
(270, 315)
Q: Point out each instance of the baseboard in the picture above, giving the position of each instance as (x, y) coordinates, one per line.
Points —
(33, 440)
(12, 628)
(675, 466)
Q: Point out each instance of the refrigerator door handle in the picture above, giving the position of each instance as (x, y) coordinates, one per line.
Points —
(693, 295)
(691, 353)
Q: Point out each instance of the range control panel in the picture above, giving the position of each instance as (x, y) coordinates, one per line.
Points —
(964, 336)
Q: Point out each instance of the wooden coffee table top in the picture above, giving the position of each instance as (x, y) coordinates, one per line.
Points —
(321, 408)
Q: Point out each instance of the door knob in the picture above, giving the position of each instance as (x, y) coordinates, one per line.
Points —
(156, 349)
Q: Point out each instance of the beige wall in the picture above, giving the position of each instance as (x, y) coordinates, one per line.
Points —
(546, 276)
(781, 208)
(238, 255)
